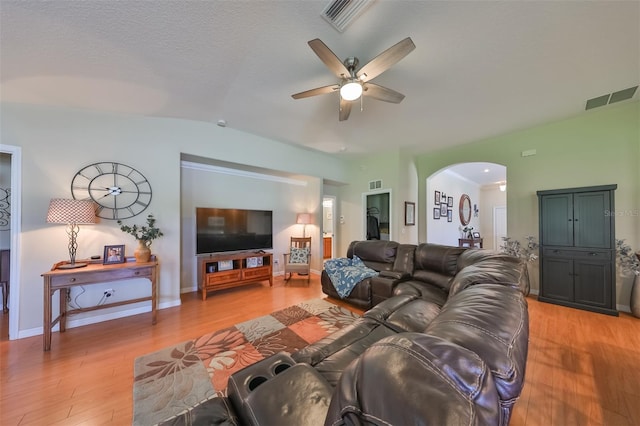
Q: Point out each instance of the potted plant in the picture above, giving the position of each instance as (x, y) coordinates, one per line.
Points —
(526, 253)
(145, 235)
(629, 263)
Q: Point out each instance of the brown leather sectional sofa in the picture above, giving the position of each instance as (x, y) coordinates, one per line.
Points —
(444, 342)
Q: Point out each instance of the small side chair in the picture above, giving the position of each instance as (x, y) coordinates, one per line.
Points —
(298, 260)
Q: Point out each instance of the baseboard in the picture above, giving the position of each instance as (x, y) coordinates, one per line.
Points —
(99, 318)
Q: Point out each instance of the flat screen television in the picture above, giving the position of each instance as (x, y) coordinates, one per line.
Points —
(230, 230)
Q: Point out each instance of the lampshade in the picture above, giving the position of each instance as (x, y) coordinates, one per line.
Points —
(351, 91)
(303, 219)
(62, 210)
(72, 213)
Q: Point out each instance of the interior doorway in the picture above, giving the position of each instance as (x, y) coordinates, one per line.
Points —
(11, 159)
(329, 227)
(377, 215)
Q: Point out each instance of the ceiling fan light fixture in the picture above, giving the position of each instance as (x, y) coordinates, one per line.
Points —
(351, 90)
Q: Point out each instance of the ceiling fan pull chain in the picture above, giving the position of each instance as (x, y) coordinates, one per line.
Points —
(361, 105)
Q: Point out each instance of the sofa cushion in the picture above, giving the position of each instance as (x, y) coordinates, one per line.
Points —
(332, 354)
(413, 378)
(432, 293)
(503, 269)
(376, 254)
(476, 319)
(436, 264)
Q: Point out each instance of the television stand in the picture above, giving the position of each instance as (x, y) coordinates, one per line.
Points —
(222, 271)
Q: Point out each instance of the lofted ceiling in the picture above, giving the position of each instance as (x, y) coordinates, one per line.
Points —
(480, 68)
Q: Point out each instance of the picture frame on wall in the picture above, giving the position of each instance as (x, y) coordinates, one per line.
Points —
(449, 215)
(409, 213)
(449, 201)
(113, 254)
(436, 212)
(443, 210)
(436, 198)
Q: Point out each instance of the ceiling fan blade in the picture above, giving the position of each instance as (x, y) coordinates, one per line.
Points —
(345, 109)
(386, 59)
(329, 58)
(317, 91)
(382, 93)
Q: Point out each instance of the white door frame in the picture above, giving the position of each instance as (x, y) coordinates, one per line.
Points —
(364, 211)
(334, 201)
(496, 241)
(16, 231)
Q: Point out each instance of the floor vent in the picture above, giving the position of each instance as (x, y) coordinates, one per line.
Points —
(608, 99)
(375, 184)
(340, 13)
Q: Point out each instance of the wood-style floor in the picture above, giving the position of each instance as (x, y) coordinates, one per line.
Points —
(583, 368)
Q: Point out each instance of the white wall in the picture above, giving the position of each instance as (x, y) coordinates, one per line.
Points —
(440, 231)
(57, 142)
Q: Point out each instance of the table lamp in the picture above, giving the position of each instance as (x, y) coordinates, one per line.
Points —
(303, 219)
(72, 213)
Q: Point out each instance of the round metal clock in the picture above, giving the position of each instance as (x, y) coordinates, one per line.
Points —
(120, 191)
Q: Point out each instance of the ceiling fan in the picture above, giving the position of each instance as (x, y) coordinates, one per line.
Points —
(355, 82)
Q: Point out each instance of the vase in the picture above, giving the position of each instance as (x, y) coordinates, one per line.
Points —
(142, 253)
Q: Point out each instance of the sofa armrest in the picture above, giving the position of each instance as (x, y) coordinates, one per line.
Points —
(396, 275)
(384, 283)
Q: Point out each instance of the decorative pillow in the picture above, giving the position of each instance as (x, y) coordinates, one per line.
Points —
(299, 255)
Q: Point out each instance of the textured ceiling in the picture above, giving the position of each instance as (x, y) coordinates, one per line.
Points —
(479, 69)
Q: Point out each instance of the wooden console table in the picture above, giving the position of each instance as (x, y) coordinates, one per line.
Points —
(470, 242)
(64, 279)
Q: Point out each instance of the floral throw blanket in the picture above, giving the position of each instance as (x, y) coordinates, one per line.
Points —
(345, 273)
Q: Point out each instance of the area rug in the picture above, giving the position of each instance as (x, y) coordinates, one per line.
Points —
(169, 382)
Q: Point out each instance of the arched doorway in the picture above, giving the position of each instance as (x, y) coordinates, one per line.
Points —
(485, 186)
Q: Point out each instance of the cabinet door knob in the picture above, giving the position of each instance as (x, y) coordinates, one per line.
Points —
(593, 254)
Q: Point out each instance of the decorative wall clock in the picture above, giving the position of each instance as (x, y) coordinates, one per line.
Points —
(120, 191)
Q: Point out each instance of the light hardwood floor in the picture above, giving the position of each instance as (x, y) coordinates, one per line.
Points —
(583, 368)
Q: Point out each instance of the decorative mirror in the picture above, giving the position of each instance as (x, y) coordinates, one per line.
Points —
(465, 209)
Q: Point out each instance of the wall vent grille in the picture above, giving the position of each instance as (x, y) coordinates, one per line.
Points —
(340, 13)
(375, 184)
(608, 99)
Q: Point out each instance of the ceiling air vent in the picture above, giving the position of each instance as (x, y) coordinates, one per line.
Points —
(340, 13)
(620, 95)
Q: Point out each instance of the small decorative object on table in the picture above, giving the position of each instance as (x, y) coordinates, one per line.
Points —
(113, 254)
(144, 235)
(629, 263)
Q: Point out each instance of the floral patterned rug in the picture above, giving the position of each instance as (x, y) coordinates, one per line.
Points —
(169, 382)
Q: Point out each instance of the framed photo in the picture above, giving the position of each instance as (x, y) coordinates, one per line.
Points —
(449, 215)
(436, 199)
(449, 201)
(225, 265)
(443, 209)
(113, 254)
(476, 235)
(409, 213)
(436, 212)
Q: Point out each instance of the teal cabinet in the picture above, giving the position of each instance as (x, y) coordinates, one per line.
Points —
(577, 248)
